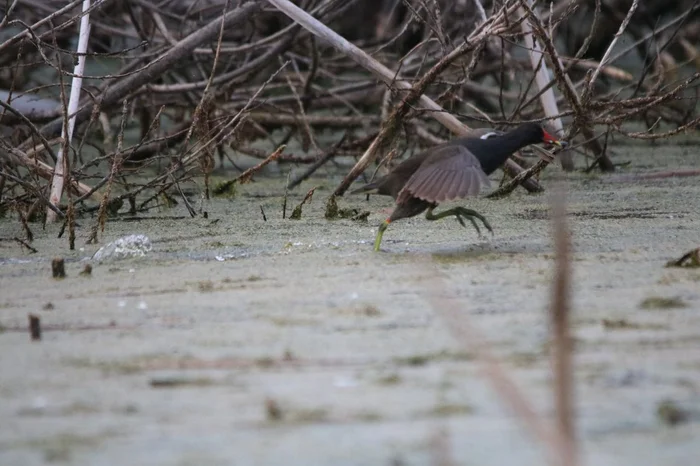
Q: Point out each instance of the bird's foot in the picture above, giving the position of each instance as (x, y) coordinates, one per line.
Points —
(461, 214)
(471, 219)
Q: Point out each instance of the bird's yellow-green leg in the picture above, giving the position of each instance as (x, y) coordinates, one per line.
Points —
(460, 213)
(380, 233)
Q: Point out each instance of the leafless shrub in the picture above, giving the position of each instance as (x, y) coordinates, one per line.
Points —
(196, 80)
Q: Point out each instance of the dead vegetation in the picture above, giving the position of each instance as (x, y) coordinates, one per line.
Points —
(170, 88)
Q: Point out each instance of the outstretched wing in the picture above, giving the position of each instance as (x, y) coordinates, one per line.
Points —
(451, 172)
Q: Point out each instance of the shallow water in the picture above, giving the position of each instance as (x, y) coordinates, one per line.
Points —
(174, 358)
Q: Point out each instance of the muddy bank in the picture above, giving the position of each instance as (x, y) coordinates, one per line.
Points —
(244, 341)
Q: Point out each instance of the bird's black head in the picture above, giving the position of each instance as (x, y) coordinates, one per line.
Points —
(534, 133)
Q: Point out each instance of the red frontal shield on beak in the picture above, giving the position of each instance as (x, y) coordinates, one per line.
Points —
(549, 139)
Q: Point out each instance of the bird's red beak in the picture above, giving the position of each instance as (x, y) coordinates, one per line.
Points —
(549, 139)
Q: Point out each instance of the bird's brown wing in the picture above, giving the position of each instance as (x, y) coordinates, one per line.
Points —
(451, 172)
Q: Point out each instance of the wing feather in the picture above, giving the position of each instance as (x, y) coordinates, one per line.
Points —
(451, 172)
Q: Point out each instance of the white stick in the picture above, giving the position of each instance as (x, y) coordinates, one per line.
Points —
(74, 99)
(542, 78)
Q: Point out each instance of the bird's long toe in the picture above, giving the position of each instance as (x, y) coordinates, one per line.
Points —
(472, 214)
(474, 223)
(487, 225)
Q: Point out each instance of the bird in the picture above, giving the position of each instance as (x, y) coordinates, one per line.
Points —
(453, 170)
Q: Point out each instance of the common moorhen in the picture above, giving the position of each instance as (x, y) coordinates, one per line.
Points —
(453, 170)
